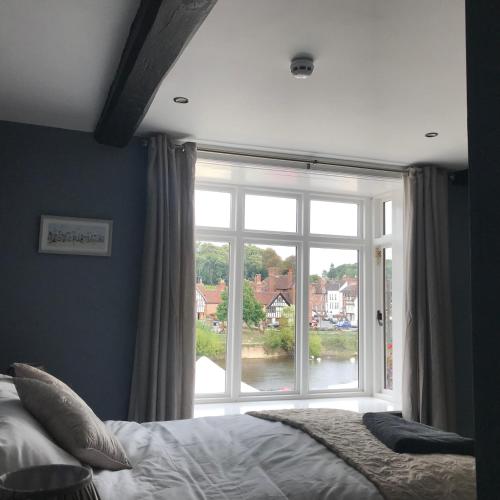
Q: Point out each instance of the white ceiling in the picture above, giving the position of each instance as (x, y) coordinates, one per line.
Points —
(387, 71)
(58, 58)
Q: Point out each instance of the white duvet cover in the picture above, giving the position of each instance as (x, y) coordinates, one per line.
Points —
(233, 457)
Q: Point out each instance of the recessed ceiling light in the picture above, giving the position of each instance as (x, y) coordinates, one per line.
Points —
(181, 100)
(431, 134)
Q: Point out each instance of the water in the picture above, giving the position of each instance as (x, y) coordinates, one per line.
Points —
(278, 374)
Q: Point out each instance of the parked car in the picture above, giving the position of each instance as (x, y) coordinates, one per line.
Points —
(344, 324)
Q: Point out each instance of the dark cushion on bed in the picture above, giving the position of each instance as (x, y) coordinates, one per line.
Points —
(404, 436)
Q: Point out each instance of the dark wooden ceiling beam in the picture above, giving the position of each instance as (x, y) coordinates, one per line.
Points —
(158, 35)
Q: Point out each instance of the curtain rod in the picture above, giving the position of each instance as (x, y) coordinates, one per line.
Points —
(309, 162)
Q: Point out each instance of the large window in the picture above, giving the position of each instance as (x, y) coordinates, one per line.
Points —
(279, 292)
(298, 292)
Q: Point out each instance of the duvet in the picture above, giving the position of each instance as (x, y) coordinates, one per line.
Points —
(232, 457)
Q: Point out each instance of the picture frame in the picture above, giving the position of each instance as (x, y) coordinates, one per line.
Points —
(75, 236)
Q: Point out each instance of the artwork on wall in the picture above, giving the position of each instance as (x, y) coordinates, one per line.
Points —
(71, 235)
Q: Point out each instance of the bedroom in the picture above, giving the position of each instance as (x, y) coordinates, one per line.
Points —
(58, 64)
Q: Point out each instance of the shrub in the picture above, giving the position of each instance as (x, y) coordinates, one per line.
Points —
(284, 339)
(209, 343)
(314, 345)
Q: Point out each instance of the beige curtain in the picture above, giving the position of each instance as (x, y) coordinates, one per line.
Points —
(163, 376)
(428, 372)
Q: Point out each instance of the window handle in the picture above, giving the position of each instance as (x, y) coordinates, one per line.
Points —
(380, 318)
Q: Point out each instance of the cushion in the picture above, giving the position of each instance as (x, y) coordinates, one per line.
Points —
(28, 371)
(71, 423)
(404, 436)
(23, 441)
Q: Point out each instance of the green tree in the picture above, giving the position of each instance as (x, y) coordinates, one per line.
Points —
(253, 262)
(212, 262)
(221, 311)
(253, 312)
(337, 273)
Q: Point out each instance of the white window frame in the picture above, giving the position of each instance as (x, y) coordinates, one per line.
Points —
(237, 237)
(395, 242)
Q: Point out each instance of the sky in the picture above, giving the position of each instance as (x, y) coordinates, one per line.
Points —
(212, 209)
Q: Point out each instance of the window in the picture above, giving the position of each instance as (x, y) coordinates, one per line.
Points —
(270, 213)
(333, 319)
(219, 214)
(212, 293)
(268, 348)
(328, 217)
(387, 297)
(281, 299)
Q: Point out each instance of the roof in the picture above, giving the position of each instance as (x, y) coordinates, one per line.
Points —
(210, 296)
(267, 298)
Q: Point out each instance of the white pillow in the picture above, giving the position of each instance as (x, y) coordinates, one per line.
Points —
(23, 441)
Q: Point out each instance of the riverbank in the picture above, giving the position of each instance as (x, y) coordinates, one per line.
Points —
(256, 344)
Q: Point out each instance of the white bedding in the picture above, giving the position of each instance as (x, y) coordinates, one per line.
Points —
(233, 457)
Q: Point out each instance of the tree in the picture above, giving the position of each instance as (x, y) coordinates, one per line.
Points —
(290, 263)
(271, 259)
(253, 262)
(221, 311)
(212, 262)
(253, 312)
(337, 273)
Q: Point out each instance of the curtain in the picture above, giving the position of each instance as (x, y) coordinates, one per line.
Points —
(164, 364)
(428, 380)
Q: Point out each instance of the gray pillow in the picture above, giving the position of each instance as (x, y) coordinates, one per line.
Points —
(71, 423)
(28, 371)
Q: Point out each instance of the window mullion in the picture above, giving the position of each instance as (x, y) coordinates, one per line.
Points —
(237, 299)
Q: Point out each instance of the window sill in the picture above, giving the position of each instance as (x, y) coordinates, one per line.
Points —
(358, 404)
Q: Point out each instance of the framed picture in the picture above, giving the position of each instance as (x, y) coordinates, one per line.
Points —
(70, 235)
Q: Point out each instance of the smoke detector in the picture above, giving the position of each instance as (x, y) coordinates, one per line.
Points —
(302, 67)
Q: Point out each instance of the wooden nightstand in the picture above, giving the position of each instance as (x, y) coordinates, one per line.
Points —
(54, 482)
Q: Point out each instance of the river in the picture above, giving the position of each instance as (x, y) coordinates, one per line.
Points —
(278, 374)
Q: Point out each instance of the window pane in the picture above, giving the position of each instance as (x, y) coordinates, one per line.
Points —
(388, 384)
(212, 287)
(270, 213)
(333, 305)
(387, 217)
(268, 336)
(328, 217)
(212, 208)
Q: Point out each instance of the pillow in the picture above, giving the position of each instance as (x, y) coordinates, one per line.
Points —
(23, 441)
(28, 371)
(71, 423)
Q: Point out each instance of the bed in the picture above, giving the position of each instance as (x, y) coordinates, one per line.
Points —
(229, 457)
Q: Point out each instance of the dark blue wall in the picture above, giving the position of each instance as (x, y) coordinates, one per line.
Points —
(74, 314)
(459, 236)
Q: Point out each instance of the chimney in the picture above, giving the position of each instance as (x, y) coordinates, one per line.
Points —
(258, 282)
(221, 286)
(273, 274)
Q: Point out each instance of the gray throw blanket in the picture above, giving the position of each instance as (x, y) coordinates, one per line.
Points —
(397, 476)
